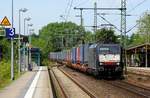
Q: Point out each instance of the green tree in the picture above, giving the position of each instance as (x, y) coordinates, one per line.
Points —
(144, 27)
(58, 36)
(143, 32)
(5, 44)
(89, 37)
(136, 39)
(106, 35)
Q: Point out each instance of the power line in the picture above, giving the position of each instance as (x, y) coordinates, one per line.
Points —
(71, 3)
(139, 4)
(66, 10)
(84, 2)
(109, 23)
(67, 6)
(132, 28)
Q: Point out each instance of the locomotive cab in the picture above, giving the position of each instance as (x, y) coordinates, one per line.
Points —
(105, 60)
(109, 59)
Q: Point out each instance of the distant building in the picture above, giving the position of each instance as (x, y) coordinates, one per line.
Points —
(139, 56)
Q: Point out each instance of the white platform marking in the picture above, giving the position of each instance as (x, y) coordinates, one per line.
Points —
(32, 87)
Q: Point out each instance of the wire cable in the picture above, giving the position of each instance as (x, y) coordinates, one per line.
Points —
(66, 9)
(71, 4)
(84, 2)
(139, 4)
(109, 23)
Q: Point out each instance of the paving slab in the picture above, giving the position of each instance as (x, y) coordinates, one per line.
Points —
(18, 88)
(43, 87)
(34, 84)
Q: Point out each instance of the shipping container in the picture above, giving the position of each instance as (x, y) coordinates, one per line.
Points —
(78, 55)
(69, 55)
(82, 54)
(65, 54)
(92, 56)
(73, 55)
(86, 53)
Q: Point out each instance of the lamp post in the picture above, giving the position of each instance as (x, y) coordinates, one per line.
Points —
(62, 37)
(28, 53)
(29, 25)
(26, 19)
(25, 64)
(30, 34)
(19, 43)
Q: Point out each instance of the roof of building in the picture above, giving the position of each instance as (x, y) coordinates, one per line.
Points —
(138, 46)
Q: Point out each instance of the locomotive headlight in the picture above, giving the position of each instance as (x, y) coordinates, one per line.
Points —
(101, 63)
(118, 63)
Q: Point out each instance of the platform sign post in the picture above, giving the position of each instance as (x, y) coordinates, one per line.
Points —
(10, 33)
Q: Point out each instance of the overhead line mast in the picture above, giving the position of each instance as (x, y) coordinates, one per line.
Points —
(123, 18)
(123, 22)
(95, 18)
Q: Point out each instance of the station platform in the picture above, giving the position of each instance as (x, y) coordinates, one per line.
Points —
(139, 70)
(34, 84)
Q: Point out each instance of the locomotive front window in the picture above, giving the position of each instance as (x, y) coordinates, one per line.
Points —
(104, 50)
(110, 50)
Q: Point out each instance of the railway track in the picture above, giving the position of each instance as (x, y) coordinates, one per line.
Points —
(141, 91)
(59, 88)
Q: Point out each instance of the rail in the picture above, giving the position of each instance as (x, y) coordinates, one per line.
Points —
(141, 91)
(83, 88)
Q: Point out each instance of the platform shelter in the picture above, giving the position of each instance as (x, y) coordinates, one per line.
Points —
(138, 56)
(36, 55)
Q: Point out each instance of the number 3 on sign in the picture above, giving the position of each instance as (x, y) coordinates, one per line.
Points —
(12, 32)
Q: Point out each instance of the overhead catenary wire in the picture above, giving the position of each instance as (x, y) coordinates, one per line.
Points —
(82, 3)
(132, 27)
(66, 9)
(139, 4)
(109, 23)
(68, 13)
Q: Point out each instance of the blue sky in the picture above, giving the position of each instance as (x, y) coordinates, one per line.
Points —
(43, 12)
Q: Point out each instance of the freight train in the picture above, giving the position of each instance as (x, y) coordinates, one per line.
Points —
(100, 60)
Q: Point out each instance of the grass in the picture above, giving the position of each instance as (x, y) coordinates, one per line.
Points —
(5, 73)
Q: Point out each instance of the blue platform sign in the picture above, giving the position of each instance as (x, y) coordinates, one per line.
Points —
(10, 32)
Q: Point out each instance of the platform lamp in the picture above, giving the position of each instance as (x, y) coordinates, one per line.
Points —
(23, 10)
(28, 45)
(25, 63)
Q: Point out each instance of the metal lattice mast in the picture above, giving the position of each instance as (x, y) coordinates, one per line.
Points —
(123, 31)
(123, 22)
(95, 17)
